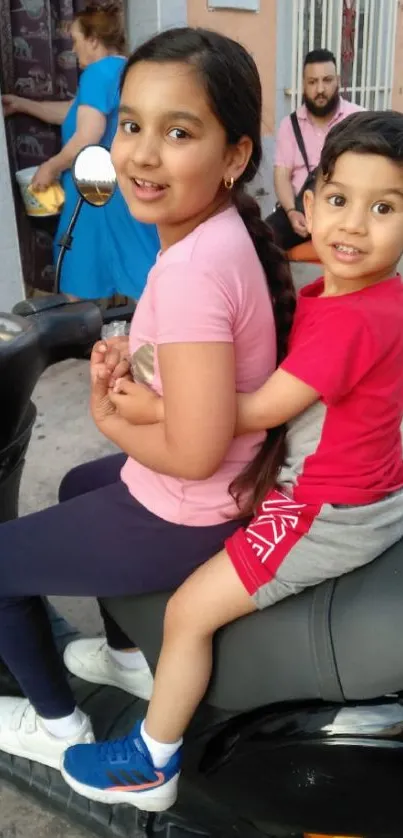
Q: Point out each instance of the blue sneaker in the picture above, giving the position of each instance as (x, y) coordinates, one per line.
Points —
(122, 771)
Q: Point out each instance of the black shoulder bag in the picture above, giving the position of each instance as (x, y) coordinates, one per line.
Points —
(284, 234)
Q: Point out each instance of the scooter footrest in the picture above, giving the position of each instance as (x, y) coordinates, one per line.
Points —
(113, 712)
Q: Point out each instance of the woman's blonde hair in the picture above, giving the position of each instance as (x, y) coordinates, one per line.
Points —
(104, 21)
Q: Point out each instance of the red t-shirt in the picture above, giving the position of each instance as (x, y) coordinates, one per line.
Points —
(347, 447)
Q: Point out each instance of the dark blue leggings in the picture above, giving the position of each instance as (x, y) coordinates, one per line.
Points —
(99, 541)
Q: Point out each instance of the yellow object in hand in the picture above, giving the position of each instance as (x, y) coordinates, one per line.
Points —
(51, 199)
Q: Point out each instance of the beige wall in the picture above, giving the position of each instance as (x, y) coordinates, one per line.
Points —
(397, 96)
(257, 32)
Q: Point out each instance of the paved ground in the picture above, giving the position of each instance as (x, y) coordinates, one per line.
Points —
(64, 436)
(20, 817)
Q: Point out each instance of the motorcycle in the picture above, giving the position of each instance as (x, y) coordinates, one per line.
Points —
(300, 734)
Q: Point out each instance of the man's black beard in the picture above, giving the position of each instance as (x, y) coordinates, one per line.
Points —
(323, 110)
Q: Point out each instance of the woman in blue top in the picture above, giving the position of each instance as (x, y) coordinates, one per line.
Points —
(111, 251)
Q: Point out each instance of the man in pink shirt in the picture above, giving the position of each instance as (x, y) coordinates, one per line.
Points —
(323, 107)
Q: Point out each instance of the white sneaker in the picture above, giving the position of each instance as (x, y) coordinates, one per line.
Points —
(91, 661)
(23, 734)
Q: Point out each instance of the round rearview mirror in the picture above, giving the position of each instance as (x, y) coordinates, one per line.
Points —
(94, 175)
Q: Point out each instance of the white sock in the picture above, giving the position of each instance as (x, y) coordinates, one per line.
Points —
(160, 752)
(129, 660)
(65, 727)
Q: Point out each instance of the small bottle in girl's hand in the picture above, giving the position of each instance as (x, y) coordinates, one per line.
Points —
(115, 329)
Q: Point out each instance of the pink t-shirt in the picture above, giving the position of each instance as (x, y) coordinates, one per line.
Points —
(208, 287)
(287, 153)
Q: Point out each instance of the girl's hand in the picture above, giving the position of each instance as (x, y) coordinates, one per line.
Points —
(117, 358)
(45, 176)
(102, 408)
(137, 403)
(113, 356)
(98, 368)
(101, 405)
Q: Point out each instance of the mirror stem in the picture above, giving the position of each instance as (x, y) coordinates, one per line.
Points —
(65, 243)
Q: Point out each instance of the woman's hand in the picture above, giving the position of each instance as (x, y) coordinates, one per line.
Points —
(137, 403)
(11, 104)
(47, 174)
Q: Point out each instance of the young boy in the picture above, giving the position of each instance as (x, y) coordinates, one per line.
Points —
(338, 503)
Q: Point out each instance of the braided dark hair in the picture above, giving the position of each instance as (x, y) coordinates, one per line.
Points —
(260, 475)
(232, 83)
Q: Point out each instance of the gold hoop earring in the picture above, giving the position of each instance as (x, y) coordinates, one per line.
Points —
(229, 183)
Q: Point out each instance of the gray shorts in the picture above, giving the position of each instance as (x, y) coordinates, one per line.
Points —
(290, 546)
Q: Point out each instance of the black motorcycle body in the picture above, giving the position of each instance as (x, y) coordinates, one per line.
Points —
(301, 730)
(28, 345)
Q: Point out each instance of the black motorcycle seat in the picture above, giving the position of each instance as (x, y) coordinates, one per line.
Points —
(340, 641)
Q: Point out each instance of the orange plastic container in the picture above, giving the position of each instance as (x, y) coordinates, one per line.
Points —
(319, 835)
